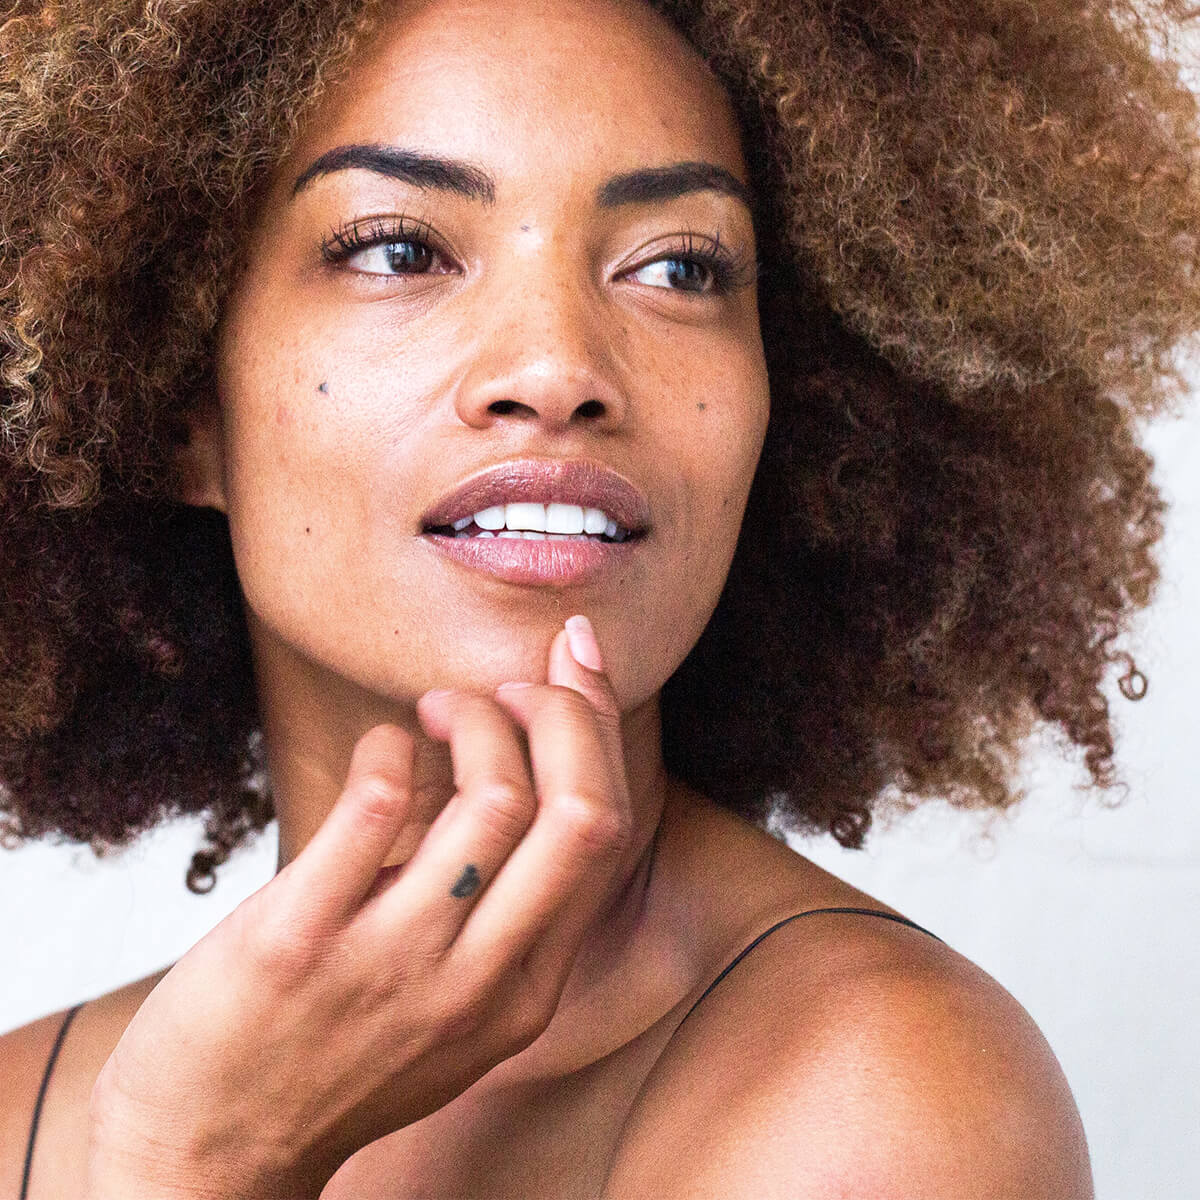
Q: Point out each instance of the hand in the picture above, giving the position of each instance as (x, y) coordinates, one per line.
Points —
(343, 1001)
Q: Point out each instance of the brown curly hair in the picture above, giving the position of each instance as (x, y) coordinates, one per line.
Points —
(977, 223)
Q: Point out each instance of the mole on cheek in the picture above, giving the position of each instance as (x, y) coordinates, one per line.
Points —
(701, 406)
(323, 388)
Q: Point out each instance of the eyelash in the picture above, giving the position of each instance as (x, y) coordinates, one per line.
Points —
(346, 240)
(727, 270)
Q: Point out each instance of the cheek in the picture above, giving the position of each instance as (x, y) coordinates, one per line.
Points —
(725, 422)
(290, 439)
(715, 437)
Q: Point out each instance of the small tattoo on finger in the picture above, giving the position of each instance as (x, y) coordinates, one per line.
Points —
(468, 882)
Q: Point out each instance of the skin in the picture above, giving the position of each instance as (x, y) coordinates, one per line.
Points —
(523, 1036)
(538, 307)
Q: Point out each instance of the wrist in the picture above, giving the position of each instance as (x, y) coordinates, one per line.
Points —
(131, 1157)
(124, 1174)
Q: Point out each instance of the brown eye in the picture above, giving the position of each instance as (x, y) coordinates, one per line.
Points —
(678, 274)
(407, 257)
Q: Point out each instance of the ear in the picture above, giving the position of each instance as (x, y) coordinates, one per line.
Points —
(200, 460)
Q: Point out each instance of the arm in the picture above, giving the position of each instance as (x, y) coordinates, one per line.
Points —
(895, 1076)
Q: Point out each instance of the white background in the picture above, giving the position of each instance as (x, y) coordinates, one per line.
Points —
(1085, 913)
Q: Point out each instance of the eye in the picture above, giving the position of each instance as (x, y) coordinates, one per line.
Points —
(696, 264)
(384, 247)
(394, 258)
(679, 274)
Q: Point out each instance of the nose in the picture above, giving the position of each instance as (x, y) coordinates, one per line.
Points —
(544, 357)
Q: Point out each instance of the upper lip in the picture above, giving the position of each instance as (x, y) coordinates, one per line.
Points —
(544, 481)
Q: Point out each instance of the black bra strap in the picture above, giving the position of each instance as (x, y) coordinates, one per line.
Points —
(862, 912)
(41, 1096)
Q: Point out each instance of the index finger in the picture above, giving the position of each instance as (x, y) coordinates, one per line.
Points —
(337, 868)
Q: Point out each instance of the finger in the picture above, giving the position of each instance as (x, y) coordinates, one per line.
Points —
(491, 810)
(576, 663)
(555, 881)
(337, 868)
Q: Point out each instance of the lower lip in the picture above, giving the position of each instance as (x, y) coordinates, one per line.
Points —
(534, 563)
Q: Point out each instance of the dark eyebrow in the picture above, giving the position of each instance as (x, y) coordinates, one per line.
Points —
(665, 183)
(643, 186)
(409, 166)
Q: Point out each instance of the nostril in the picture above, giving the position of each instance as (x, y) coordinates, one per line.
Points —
(504, 408)
(589, 409)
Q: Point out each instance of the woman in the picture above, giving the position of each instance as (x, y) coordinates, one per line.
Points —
(350, 291)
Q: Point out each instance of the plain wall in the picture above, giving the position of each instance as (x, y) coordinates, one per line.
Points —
(1086, 914)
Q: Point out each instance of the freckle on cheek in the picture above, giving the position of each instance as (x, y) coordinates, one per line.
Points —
(701, 406)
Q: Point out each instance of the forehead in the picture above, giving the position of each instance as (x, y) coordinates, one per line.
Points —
(571, 82)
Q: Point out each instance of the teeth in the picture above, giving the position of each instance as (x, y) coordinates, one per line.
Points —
(490, 518)
(554, 518)
(525, 516)
(564, 518)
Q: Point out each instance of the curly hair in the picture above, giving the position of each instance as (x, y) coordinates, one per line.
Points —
(978, 224)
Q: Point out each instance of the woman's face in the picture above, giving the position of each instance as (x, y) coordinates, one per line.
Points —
(510, 261)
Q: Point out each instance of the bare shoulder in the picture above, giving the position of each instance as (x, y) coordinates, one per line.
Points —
(851, 1056)
(58, 1162)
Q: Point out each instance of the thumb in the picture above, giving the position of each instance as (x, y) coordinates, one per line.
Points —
(576, 663)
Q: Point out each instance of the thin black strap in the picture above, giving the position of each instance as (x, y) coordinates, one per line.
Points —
(862, 912)
(41, 1096)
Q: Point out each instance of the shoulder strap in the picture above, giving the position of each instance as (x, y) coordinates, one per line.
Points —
(41, 1096)
(862, 912)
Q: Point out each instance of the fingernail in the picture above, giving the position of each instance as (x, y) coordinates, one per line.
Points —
(581, 638)
(436, 693)
(513, 686)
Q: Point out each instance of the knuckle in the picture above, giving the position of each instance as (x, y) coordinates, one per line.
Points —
(593, 823)
(574, 709)
(531, 1015)
(376, 798)
(460, 1019)
(573, 703)
(519, 1023)
(504, 808)
(281, 942)
(596, 702)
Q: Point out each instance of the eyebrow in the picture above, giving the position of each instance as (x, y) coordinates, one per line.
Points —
(666, 183)
(421, 170)
(434, 173)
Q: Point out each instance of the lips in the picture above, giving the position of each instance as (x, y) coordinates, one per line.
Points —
(528, 489)
(543, 481)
